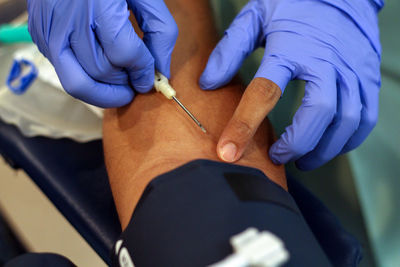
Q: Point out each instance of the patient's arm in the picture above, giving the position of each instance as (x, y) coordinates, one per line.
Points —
(153, 135)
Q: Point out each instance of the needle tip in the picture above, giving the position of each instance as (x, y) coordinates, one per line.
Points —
(203, 129)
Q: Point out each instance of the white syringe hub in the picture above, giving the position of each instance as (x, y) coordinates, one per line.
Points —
(162, 85)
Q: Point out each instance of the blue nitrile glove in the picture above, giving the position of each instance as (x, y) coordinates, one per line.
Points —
(95, 50)
(331, 44)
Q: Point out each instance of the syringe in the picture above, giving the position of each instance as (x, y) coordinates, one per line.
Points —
(162, 85)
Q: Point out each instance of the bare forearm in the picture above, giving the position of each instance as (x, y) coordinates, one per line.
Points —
(152, 135)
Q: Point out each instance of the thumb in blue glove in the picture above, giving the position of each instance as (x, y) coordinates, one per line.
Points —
(333, 46)
(96, 53)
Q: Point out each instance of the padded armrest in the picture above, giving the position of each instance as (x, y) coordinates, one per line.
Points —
(74, 178)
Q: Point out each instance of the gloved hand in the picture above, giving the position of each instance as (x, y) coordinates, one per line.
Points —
(333, 46)
(95, 50)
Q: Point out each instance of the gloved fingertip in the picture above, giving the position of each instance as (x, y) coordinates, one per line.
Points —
(275, 159)
(143, 89)
(206, 83)
(144, 81)
(124, 99)
(274, 156)
(143, 85)
(115, 97)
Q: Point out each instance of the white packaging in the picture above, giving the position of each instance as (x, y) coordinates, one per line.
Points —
(45, 109)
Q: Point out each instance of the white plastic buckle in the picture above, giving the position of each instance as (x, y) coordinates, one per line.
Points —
(253, 248)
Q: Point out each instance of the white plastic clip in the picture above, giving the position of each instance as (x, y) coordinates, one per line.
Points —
(254, 248)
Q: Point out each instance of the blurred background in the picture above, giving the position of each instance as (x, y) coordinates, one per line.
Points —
(361, 188)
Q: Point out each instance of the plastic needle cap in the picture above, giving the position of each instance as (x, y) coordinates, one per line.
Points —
(162, 85)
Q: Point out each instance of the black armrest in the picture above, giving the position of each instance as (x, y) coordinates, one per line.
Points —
(74, 178)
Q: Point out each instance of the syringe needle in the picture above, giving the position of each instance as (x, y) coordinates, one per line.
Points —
(162, 85)
(190, 114)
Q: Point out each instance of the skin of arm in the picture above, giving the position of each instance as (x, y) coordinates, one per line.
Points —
(152, 135)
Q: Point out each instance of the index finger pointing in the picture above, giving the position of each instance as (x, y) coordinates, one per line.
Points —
(258, 100)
